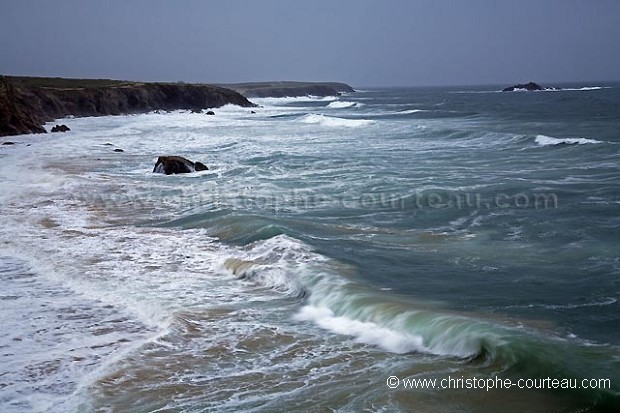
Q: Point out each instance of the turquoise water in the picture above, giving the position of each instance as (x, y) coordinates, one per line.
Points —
(333, 243)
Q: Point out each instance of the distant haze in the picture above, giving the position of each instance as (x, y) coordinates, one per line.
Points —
(363, 43)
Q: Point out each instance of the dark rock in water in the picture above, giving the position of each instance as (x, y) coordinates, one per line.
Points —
(527, 86)
(118, 150)
(177, 165)
(210, 112)
(196, 111)
(199, 166)
(8, 143)
(60, 128)
(252, 112)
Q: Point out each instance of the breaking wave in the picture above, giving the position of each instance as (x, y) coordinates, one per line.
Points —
(342, 104)
(334, 302)
(332, 121)
(543, 140)
(293, 99)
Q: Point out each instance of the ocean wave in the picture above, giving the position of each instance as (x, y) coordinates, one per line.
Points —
(293, 99)
(335, 303)
(575, 89)
(274, 263)
(543, 140)
(599, 303)
(568, 89)
(585, 88)
(409, 112)
(342, 104)
(333, 121)
(365, 332)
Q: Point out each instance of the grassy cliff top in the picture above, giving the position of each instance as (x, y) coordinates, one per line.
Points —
(65, 83)
(276, 88)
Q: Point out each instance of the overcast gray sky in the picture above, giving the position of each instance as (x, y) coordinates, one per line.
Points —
(364, 43)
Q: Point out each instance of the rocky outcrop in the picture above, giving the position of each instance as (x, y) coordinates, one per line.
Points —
(290, 89)
(526, 86)
(27, 103)
(60, 128)
(15, 116)
(177, 165)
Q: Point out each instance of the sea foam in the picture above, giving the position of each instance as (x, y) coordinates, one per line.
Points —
(332, 121)
(342, 104)
(543, 140)
(292, 99)
(364, 331)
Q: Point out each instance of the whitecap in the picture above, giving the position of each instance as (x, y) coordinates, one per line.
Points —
(342, 104)
(409, 112)
(332, 121)
(292, 99)
(578, 89)
(365, 332)
(543, 140)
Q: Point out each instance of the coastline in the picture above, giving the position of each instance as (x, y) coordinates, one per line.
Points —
(27, 103)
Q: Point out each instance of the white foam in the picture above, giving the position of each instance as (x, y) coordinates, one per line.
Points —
(568, 89)
(334, 122)
(578, 89)
(410, 111)
(364, 331)
(292, 99)
(342, 104)
(543, 140)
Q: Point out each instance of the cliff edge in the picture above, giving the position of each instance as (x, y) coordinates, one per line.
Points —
(27, 103)
(15, 118)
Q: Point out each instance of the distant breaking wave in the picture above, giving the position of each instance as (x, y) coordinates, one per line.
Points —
(585, 88)
(333, 121)
(568, 89)
(295, 99)
(543, 140)
(410, 111)
(342, 104)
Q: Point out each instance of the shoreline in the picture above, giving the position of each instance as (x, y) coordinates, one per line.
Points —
(27, 103)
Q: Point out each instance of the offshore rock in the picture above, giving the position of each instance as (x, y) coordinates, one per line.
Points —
(177, 165)
(527, 86)
(60, 128)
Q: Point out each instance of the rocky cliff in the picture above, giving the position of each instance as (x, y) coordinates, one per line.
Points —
(289, 89)
(15, 118)
(27, 103)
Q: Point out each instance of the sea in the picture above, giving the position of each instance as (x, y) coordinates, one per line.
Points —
(452, 249)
